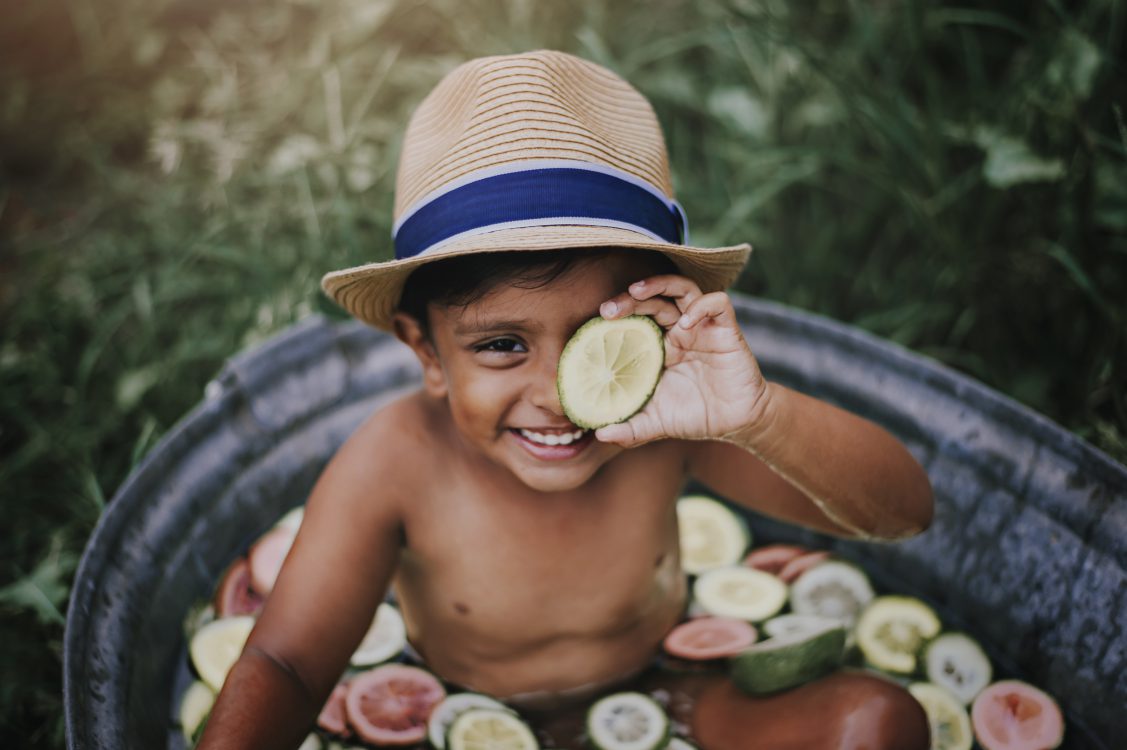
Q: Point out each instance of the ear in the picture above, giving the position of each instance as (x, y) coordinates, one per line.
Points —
(410, 332)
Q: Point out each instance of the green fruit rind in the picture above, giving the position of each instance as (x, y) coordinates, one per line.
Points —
(602, 713)
(783, 663)
(568, 386)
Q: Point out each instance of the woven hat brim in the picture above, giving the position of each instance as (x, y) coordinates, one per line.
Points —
(371, 292)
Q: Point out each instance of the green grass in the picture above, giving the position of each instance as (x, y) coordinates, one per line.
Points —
(177, 175)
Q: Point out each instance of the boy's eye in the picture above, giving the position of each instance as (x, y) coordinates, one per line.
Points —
(503, 345)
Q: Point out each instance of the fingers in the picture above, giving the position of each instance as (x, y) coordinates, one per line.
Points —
(639, 429)
(665, 298)
(716, 307)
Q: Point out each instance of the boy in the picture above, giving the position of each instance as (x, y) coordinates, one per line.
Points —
(533, 560)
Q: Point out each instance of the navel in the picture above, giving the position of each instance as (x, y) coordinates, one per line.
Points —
(461, 609)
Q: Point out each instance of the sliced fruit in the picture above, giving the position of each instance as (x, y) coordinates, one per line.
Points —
(311, 742)
(707, 638)
(950, 725)
(786, 626)
(385, 639)
(390, 705)
(450, 708)
(741, 593)
(293, 519)
(892, 629)
(773, 557)
(235, 596)
(216, 647)
(678, 743)
(788, 661)
(332, 717)
(1014, 715)
(194, 708)
(794, 569)
(489, 729)
(627, 721)
(609, 369)
(956, 661)
(832, 589)
(712, 536)
(266, 558)
(199, 615)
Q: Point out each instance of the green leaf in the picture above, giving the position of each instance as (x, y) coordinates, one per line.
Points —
(1010, 161)
(45, 589)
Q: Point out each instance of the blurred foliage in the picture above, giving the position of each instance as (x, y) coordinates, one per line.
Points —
(176, 175)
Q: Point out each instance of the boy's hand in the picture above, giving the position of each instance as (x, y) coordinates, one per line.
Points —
(711, 386)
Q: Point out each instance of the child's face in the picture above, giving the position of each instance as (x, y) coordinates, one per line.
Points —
(495, 361)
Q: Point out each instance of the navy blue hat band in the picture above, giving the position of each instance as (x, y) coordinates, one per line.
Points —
(578, 193)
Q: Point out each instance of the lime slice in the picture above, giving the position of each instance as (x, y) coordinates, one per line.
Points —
(386, 637)
(956, 661)
(712, 536)
(949, 722)
(741, 593)
(293, 519)
(784, 662)
(216, 647)
(892, 629)
(194, 708)
(490, 729)
(627, 721)
(451, 708)
(833, 589)
(609, 369)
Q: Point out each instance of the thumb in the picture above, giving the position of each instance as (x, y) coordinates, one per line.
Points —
(639, 429)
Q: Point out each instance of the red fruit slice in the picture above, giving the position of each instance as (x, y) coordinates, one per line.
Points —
(1014, 715)
(709, 638)
(799, 565)
(266, 558)
(332, 717)
(390, 705)
(773, 557)
(235, 596)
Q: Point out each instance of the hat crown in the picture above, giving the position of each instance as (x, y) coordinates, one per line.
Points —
(496, 111)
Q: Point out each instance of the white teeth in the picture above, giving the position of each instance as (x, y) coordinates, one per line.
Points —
(566, 438)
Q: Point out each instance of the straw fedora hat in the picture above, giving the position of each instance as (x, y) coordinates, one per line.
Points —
(535, 151)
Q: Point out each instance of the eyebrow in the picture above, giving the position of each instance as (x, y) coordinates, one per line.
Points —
(480, 327)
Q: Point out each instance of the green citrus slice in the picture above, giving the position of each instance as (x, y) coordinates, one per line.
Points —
(891, 631)
(740, 593)
(194, 708)
(627, 721)
(216, 647)
(385, 638)
(490, 729)
(712, 536)
(949, 722)
(453, 706)
(609, 369)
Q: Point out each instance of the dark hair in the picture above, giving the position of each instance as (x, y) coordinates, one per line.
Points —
(459, 281)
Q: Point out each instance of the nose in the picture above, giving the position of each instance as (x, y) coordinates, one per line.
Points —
(542, 389)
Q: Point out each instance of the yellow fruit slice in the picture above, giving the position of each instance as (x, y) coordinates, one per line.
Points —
(609, 369)
(490, 729)
(950, 724)
(712, 536)
(739, 592)
(216, 647)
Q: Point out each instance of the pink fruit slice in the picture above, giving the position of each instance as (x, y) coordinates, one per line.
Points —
(266, 558)
(709, 638)
(1014, 715)
(799, 565)
(332, 717)
(773, 557)
(390, 705)
(235, 595)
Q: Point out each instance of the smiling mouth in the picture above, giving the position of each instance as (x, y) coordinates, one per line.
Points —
(552, 438)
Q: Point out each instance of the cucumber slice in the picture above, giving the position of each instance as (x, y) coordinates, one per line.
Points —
(891, 631)
(627, 721)
(194, 708)
(741, 593)
(788, 661)
(948, 719)
(216, 647)
(609, 369)
(712, 536)
(451, 707)
(385, 639)
(956, 661)
(789, 626)
(832, 589)
(490, 729)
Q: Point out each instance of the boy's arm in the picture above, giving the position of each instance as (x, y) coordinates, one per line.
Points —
(335, 576)
(763, 445)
